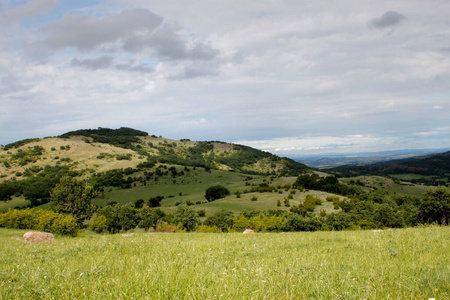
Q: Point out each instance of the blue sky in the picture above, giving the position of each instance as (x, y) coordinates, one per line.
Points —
(289, 77)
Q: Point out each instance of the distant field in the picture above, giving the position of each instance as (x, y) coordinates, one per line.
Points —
(193, 185)
(391, 264)
(383, 183)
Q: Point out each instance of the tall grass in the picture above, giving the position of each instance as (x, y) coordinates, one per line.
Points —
(392, 264)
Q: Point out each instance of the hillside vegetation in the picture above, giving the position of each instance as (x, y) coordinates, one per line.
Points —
(152, 183)
(430, 169)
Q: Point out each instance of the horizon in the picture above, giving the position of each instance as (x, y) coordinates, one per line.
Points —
(291, 78)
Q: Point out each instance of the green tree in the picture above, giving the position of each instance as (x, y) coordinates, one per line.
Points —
(216, 192)
(435, 206)
(73, 197)
(187, 217)
(222, 219)
(149, 217)
(119, 217)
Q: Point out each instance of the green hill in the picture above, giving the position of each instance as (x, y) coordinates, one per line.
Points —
(431, 169)
(128, 165)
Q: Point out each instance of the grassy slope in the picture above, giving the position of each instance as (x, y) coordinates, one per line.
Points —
(383, 183)
(392, 264)
(80, 151)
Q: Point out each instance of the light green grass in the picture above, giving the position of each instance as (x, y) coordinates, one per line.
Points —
(393, 264)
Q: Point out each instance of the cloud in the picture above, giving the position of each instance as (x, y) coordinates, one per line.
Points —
(132, 67)
(388, 20)
(100, 62)
(86, 32)
(30, 9)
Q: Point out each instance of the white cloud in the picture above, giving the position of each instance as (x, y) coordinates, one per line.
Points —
(258, 72)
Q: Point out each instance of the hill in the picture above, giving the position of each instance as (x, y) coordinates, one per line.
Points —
(433, 169)
(129, 159)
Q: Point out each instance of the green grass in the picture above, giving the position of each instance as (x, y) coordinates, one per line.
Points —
(378, 182)
(392, 264)
(192, 187)
(16, 201)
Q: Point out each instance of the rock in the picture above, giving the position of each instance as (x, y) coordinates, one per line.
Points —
(248, 231)
(38, 236)
(128, 235)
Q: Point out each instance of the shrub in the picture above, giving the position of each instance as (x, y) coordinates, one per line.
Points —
(99, 224)
(222, 219)
(42, 220)
(216, 192)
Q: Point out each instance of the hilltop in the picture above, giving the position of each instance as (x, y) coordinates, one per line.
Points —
(127, 160)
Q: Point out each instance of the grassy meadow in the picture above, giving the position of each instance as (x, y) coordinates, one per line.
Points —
(392, 264)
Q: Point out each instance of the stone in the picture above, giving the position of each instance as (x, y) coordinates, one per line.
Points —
(38, 236)
(128, 235)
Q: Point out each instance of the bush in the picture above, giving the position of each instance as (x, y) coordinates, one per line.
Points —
(99, 224)
(42, 220)
(216, 192)
(222, 219)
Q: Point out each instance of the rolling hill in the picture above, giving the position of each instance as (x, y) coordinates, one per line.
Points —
(129, 161)
(433, 169)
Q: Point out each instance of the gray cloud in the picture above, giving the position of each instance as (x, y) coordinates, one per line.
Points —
(387, 20)
(30, 9)
(196, 70)
(139, 68)
(87, 33)
(100, 62)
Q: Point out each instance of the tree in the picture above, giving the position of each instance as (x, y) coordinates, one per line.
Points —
(119, 217)
(187, 217)
(435, 206)
(216, 192)
(149, 217)
(222, 219)
(73, 197)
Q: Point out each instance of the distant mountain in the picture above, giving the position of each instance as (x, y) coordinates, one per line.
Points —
(430, 169)
(361, 159)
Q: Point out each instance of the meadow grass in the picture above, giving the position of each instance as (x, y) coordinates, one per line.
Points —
(391, 264)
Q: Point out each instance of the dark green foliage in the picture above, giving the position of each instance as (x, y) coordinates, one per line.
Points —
(155, 201)
(186, 217)
(119, 217)
(435, 206)
(244, 155)
(216, 192)
(149, 217)
(297, 222)
(328, 184)
(122, 137)
(19, 143)
(36, 188)
(222, 219)
(434, 168)
(139, 203)
(73, 197)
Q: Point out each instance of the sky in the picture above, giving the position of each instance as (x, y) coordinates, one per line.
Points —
(289, 77)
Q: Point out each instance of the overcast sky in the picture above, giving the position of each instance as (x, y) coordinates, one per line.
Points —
(286, 76)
